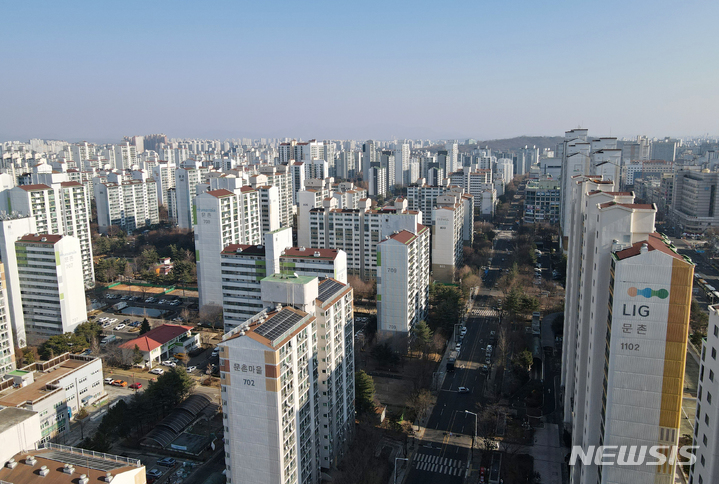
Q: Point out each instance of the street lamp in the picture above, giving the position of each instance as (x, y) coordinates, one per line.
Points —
(475, 430)
(395, 467)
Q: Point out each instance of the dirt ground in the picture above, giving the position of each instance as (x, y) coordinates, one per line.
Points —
(142, 290)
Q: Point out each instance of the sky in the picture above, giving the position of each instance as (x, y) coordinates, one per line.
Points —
(98, 71)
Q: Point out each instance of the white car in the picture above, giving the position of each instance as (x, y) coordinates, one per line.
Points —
(155, 371)
(108, 381)
(169, 363)
(119, 327)
(190, 369)
(113, 320)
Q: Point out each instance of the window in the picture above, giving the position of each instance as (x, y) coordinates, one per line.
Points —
(716, 331)
(704, 439)
(714, 353)
(709, 398)
(711, 375)
(706, 419)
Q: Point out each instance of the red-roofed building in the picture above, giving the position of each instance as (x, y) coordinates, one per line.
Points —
(162, 342)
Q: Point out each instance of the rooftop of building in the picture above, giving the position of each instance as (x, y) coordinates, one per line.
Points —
(11, 416)
(271, 328)
(310, 253)
(655, 241)
(41, 238)
(220, 193)
(44, 375)
(244, 249)
(289, 278)
(329, 289)
(157, 337)
(635, 206)
(71, 184)
(54, 458)
(31, 188)
(616, 194)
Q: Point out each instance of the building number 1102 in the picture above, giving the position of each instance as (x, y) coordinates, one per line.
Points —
(630, 346)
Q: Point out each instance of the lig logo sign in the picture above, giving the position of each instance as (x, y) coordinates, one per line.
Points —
(648, 293)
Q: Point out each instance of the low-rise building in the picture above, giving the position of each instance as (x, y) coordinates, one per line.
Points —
(161, 343)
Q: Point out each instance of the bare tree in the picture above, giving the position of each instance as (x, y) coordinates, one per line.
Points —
(502, 345)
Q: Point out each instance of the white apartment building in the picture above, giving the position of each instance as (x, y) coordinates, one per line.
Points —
(542, 202)
(401, 165)
(448, 230)
(56, 389)
(244, 266)
(694, 207)
(612, 247)
(645, 169)
(223, 218)
(269, 208)
(125, 156)
(402, 281)
(76, 222)
(7, 351)
(12, 228)
(129, 205)
(280, 177)
(287, 378)
(706, 423)
(377, 180)
(38, 200)
(186, 180)
(49, 269)
(423, 198)
(164, 175)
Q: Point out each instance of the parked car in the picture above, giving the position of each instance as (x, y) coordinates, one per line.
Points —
(119, 327)
(155, 473)
(108, 381)
(167, 462)
(190, 369)
(157, 371)
(458, 347)
(215, 351)
(169, 363)
(119, 383)
(136, 386)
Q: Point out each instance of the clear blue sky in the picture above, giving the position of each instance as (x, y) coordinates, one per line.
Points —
(100, 70)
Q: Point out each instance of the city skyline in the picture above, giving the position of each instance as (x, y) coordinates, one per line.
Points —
(99, 72)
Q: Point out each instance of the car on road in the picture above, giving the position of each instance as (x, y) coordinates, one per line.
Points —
(190, 369)
(215, 351)
(119, 383)
(463, 331)
(488, 360)
(458, 347)
(167, 462)
(154, 473)
(157, 371)
(463, 390)
(136, 386)
(108, 381)
(119, 327)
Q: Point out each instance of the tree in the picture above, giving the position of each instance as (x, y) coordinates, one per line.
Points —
(420, 402)
(422, 336)
(89, 330)
(523, 361)
(211, 315)
(62, 343)
(137, 357)
(385, 355)
(364, 393)
(145, 326)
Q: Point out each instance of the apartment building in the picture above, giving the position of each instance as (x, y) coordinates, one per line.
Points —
(223, 218)
(187, 177)
(75, 212)
(7, 351)
(423, 198)
(449, 220)
(402, 281)
(614, 340)
(56, 389)
(164, 175)
(645, 169)
(695, 200)
(287, 378)
(244, 266)
(706, 422)
(542, 199)
(280, 177)
(129, 205)
(49, 269)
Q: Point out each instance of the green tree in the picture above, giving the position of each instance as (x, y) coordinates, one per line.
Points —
(89, 330)
(62, 343)
(28, 355)
(512, 302)
(422, 335)
(145, 326)
(137, 357)
(364, 393)
(522, 361)
(528, 304)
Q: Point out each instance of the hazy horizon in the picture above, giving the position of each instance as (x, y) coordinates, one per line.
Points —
(98, 71)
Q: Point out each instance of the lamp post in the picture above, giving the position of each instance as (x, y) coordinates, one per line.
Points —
(475, 431)
(395, 467)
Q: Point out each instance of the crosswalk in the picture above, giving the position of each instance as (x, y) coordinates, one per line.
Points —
(441, 465)
(484, 313)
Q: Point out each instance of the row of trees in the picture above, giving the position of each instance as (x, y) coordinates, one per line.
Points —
(134, 418)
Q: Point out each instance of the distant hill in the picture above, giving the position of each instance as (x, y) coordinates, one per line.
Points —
(520, 142)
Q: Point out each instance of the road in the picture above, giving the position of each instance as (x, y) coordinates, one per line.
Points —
(446, 446)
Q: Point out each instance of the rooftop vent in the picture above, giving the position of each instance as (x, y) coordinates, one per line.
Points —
(68, 469)
(30, 460)
(11, 464)
(108, 477)
(44, 239)
(302, 249)
(317, 254)
(278, 308)
(644, 249)
(83, 479)
(44, 471)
